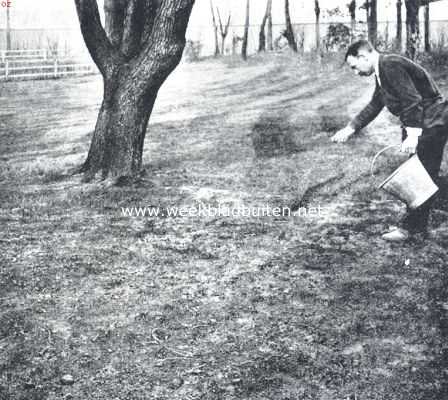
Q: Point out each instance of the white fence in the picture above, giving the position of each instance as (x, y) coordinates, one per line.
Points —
(41, 64)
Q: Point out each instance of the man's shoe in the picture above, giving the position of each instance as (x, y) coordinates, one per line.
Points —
(397, 235)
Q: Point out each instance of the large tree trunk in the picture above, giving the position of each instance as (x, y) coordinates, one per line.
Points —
(373, 22)
(262, 35)
(399, 26)
(142, 46)
(289, 32)
(215, 29)
(8, 29)
(412, 27)
(427, 29)
(317, 12)
(246, 32)
(117, 144)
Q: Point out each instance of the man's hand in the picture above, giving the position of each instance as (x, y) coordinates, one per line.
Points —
(409, 145)
(343, 134)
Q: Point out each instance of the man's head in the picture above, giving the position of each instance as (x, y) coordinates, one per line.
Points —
(361, 57)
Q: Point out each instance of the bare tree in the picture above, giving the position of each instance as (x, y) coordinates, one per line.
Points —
(373, 22)
(215, 29)
(235, 40)
(246, 32)
(142, 43)
(8, 29)
(270, 40)
(224, 30)
(352, 11)
(262, 35)
(412, 27)
(427, 30)
(317, 12)
(372, 19)
(399, 38)
(426, 4)
(289, 32)
(366, 6)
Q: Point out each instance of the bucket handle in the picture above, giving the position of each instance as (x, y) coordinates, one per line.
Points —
(379, 153)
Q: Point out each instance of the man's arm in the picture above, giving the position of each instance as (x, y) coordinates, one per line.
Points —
(370, 111)
(364, 117)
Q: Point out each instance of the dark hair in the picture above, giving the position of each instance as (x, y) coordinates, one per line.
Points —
(354, 48)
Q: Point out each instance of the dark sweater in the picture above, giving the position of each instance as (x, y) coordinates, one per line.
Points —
(409, 92)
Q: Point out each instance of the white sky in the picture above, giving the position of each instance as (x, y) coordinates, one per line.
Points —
(61, 13)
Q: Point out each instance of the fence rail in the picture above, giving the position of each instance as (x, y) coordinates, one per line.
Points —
(15, 54)
(40, 64)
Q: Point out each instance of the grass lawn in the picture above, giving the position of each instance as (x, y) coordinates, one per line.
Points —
(186, 308)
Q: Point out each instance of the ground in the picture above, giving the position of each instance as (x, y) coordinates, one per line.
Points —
(275, 308)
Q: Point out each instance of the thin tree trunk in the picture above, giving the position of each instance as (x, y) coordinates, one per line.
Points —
(246, 32)
(224, 30)
(367, 7)
(289, 33)
(317, 12)
(427, 29)
(412, 27)
(386, 36)
(262, 35)
(235, 40)
(399, 38)
(373, 22)
(215, 29)
(8, 30)
(270, 40)
(352, 11)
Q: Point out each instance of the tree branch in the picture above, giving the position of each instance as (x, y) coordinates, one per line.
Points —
(220, 21)
(226, 30)
(134, 24)
(163, 49)
(151, 9)
(99, 46)
(213, 14)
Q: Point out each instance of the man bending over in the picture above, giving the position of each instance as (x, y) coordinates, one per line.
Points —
(409, 92)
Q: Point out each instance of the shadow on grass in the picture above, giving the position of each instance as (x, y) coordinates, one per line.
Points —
(274, 136)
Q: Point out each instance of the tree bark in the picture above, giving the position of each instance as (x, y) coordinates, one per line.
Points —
(412, 27)
(215, 29)
(8, 30)
(352, 12)
(373, 22)
(366, 5)
(317, 12)
(289, 32)
(270, 40)
(138, 50)
(427, 30)
(224, 30)
(399, 26)
(262, 35)
(246, 32)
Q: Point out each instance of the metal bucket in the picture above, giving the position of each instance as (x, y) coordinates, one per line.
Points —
(410, 182)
